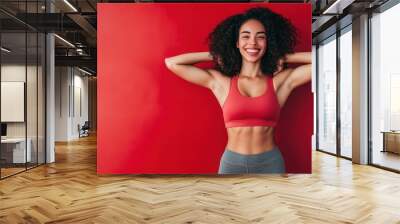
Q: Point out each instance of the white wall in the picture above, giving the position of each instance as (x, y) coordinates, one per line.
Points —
(61, 103)
(79, 117)
(12, 101)
(70, 94)
(16, 73)
(33, 127)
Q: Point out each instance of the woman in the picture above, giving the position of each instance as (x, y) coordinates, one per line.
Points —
(250, 83)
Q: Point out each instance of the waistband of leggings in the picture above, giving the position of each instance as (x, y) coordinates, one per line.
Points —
(237, 158)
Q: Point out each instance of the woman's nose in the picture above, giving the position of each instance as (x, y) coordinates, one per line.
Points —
(252, 41)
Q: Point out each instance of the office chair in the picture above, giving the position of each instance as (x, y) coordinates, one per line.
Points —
(84, 130)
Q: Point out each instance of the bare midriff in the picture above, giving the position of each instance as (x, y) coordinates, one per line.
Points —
(250, 140)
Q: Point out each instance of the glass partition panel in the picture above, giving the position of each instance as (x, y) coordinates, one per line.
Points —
(32, 95)
(22, 88)
(327, 95)
(15, 151)
(346, 93)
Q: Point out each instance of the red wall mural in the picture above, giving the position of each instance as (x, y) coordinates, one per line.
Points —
(153, 122)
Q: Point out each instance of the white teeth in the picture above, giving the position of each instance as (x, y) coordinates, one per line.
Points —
(252, 50)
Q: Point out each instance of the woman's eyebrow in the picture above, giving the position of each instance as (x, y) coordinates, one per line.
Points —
(260, 32)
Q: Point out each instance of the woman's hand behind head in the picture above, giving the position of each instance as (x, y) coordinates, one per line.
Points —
(280, 66)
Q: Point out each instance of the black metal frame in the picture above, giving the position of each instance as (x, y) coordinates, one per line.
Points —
(338, 74)
(26, 89)
(37, 91)
(45, 91)
(316, 98)
(369, 114)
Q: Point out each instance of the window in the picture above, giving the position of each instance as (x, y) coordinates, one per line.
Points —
(346, 92)
(385, 89)
(327, 95)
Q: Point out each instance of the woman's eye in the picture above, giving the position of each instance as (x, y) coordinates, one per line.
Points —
(245, 37)
(261, 37)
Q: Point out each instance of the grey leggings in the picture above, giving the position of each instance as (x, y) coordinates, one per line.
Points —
(266, 162)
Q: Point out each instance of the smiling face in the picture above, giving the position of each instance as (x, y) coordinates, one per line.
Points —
(252, 41)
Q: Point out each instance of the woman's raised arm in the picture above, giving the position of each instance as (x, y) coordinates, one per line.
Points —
(183, 66)
(288, 79)
(301, 74)
(289, 76)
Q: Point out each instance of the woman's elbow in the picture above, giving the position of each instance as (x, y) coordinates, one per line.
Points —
(168, 63)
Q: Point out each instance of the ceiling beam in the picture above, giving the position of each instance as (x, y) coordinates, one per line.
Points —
(85, 61)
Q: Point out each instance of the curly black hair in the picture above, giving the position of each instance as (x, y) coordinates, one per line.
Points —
(281, 39)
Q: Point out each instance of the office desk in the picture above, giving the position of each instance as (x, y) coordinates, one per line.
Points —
(13, 150)
(391, 141)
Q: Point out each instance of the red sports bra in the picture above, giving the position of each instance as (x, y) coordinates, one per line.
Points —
(242, 111)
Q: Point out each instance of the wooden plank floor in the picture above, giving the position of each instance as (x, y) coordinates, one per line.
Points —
(70, 191)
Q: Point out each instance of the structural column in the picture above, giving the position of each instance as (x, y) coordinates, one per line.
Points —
(360, 89)
(50, 92)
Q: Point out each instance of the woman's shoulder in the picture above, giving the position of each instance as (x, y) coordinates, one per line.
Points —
(219, 78)
(280, 77)
(218, 75)
(214, 72)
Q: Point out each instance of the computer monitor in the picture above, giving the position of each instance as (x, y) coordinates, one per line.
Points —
(3, 129)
